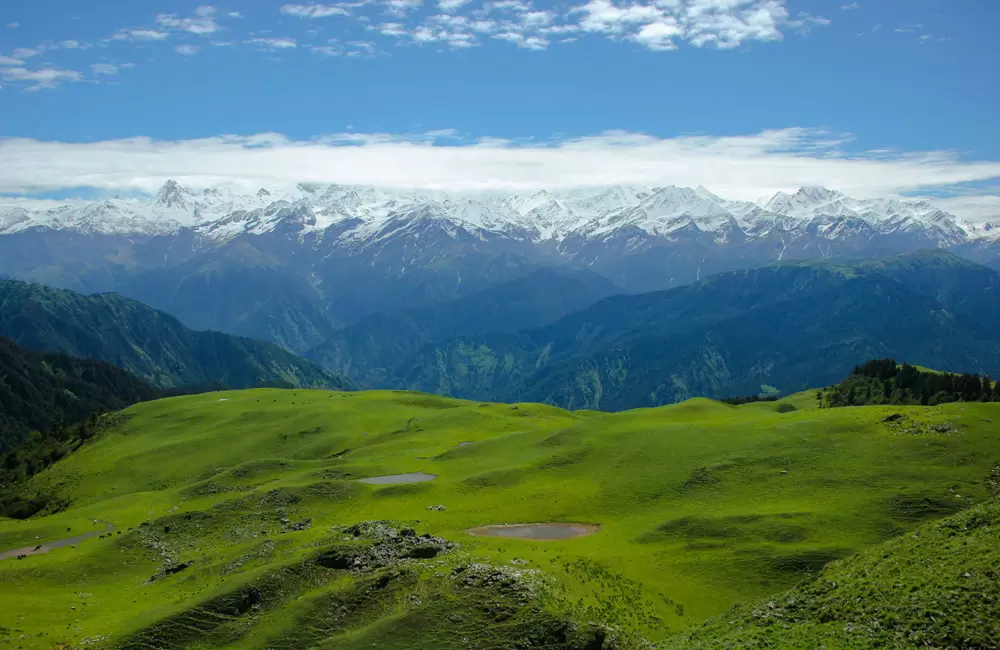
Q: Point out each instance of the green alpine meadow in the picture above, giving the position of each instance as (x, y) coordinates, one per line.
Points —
(499, 325)
(295, 518)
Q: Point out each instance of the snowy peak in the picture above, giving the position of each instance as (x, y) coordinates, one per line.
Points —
(807, 201)
(352, 214)
(173, 196)
(674, 201)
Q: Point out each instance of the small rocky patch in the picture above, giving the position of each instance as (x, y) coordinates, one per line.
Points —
(376, 544)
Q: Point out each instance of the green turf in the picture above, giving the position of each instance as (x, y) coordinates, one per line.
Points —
(935, 587)
(701, 505)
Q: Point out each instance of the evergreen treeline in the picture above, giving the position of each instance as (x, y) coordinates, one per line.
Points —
(46, 391)
(49, 405)
(748, 399)
(883, 381)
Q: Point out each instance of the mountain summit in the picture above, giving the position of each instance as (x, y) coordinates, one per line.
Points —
(543, 215)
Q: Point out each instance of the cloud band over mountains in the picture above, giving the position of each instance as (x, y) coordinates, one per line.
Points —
(737, 167)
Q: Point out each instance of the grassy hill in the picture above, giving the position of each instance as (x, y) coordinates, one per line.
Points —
(787, 327)
(149, 344)
(237, 515)
(936, 587)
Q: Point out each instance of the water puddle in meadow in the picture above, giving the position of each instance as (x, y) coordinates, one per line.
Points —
(393, 479)
(38, 549)
(539, 532)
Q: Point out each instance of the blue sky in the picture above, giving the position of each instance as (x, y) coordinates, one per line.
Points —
(882, 81)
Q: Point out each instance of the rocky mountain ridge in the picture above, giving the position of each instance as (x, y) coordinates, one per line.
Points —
(363, 215)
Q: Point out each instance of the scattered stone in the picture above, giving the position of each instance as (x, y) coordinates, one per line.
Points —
(168, 570)
(437, 508)
(377, 544)
(287, 526)
(519, 583)
(176, 568)
(423, 552)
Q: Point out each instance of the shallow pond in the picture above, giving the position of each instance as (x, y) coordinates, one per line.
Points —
(538, 532)
(393, 479)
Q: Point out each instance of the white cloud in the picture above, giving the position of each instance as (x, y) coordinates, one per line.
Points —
(126, 66)
(507, 5)
(659, 36)
(531, 19)
(522, 41)
(738, 167)
(603, 16)
(25, 52)
(104, 68)
(32, 203)
(13, 25)
(140, 35)
(982, 207)
(314, 10)
(659, 24)
(365, 46)
(402, 7)
(851, 6)
(39, 79)
(274, 43)
(393, 29)
(327, 50)
(203, 22)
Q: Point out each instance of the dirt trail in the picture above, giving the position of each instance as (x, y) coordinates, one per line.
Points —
(38, 549)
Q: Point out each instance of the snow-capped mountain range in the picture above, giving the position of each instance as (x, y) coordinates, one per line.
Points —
(294, 265)
(366, 214)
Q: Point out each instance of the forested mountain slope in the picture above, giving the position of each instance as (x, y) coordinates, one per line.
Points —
(367, 351)
(44, 391)
(785, 328)
(148, 343)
